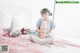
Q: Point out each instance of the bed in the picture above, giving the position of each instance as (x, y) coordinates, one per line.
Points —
(21, 44)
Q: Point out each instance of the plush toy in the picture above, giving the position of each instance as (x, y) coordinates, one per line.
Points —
(25, 31)
(6, 31)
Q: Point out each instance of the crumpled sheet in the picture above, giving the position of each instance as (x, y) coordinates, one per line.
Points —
(21, 44)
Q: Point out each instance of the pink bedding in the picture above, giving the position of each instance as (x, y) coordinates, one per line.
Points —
(21, 44)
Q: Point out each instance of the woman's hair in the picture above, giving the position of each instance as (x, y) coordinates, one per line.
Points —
(44, 11)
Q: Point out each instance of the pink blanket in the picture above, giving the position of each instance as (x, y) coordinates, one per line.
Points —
(21, 44)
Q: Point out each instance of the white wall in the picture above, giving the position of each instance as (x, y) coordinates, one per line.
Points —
(67, 18)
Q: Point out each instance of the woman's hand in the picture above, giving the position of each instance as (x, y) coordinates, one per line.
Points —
(42, 35)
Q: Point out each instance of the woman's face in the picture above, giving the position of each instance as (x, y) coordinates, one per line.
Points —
(46, 15)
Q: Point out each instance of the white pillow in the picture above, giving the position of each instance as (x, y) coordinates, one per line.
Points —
(19, 17)
(5, 20)
(20, 22)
